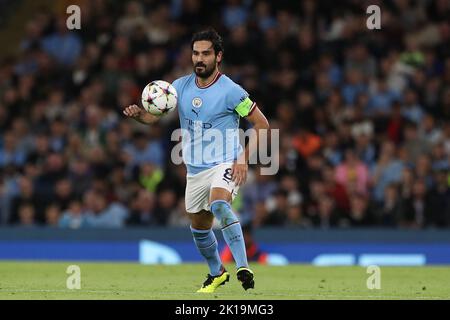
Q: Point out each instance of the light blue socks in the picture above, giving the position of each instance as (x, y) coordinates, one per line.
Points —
(207, 245)
(231, 230)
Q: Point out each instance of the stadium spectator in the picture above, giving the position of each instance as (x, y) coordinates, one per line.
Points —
(353, 174)
(406, 182)
(382, 99)
(133, 18)
(63, 194)
(27, 195)
(296, 218)
(278, 208)
(10, 151)
(361, 212)
(364, 146)
(63, 45)
(414, 213)
(73, 217)
(327, 215)
(178, 217)
(142, 151)
(391, 211)
(439, 159)
(387, 170)
(412, 111)
(166, 205)
(26, 215)
(438, 201)
(256, 191)
(143, 209)
(101, 214)
(335, 190)
(414, 145)
(52, 214)
(331, 150)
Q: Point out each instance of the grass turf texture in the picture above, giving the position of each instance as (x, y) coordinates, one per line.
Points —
(47, 280)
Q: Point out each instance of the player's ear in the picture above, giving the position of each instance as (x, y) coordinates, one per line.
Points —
(219, 57)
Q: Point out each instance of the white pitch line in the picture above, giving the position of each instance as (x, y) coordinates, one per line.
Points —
(221, 294)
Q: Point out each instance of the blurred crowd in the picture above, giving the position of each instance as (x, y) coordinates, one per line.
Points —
(364, 115)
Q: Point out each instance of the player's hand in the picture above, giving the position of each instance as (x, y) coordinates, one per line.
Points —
(133, 111)
(239, 173)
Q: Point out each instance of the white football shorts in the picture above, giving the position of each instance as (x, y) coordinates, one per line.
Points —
(199, 186)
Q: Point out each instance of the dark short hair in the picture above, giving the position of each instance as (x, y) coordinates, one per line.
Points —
(209, 35)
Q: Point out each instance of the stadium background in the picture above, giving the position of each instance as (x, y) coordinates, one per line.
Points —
(364, 119)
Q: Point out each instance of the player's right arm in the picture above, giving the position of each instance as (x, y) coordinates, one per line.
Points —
(140, 115)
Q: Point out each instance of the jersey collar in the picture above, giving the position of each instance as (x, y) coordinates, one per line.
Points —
(214, 80)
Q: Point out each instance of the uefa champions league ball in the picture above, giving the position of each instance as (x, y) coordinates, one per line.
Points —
(159, 97)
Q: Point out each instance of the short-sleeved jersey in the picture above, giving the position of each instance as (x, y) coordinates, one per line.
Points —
(209, 119)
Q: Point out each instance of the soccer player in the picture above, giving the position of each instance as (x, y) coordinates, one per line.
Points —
(209, 100)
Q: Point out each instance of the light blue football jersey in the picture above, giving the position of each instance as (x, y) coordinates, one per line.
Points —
(209, 119)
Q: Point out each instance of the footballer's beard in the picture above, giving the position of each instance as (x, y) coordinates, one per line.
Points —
(205, 72)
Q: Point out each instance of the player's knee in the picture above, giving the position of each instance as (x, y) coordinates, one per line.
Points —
(202, 220)
(222, 211)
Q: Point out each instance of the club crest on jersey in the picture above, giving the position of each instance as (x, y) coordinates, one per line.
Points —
(197, 102)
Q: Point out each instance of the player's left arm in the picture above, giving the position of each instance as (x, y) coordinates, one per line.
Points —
(240, 166)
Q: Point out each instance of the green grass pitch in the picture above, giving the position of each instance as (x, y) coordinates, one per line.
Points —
(47, 280)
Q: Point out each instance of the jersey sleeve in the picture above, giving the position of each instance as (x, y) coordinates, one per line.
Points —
(240, 101)
(177, 84)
